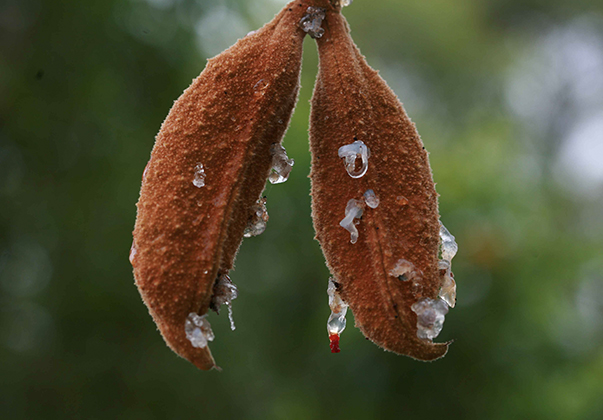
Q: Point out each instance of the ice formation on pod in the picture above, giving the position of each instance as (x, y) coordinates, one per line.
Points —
(224, 292)
(371, 199)
(351, 152)
(281, 164)
(405, 270)
(353, 210)
(312, 21)
(448, 248)
(198, 330)
(430, 317)
(199, 177)
(258, 219)
(336, 323)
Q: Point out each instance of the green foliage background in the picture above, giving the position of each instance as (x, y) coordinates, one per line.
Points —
(491, 85)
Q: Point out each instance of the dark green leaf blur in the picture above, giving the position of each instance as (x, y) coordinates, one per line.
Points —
(508, 98)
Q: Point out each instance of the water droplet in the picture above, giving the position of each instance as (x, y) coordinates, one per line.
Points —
(281, 164)
(351, 152)
(312, 20)
(448, 245)
(353, 210)
(345, 3)
(256, 224)
(430, 317)
(336, 322)
(371, 199)
(224, 292)
(198, 330)
(251, 33)
(199, 177)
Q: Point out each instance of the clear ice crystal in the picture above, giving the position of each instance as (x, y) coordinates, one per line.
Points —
(258, 219)
(448, 248)
(199, 177)
(133, 252)
(198, 330)
(281, 164)
(224, 292)
(351, 152)
(431, 314)
(448, 286)
(371, 199)
(448, 244)
(336, 322)
(353, 210)
(404, 270)
(312, 20)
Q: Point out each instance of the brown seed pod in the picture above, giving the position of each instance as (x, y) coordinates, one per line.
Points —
(393, 263)
(207, 170)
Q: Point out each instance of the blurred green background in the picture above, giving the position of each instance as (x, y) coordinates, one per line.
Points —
(508, 98)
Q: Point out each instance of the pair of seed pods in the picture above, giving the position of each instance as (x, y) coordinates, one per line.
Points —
(201, 190)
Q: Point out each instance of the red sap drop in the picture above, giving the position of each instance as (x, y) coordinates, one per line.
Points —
(334, 343)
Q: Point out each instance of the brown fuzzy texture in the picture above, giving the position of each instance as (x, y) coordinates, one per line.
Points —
(185, 236)
(352, 100)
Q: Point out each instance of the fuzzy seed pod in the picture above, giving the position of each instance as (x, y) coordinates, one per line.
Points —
(207, 170)
(369, 168)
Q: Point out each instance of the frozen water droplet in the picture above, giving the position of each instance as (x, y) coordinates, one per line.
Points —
(258, 219)
(448, 245)
(430, 317)
(405, 270)
(336, 323)
(351, 152)
(281, 164)
(345, 3)
(198, 330)
(146, 169)
(401, 200)
(448, 287)
(224, 292)
(133, 252)
(353, 210)
(199, 177)
(371, 199)
(251, 32)
(312, 20)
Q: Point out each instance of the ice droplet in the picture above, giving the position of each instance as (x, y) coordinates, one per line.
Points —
(448, 245)
(448, 248)
(281, 164)
(448, 286)
(198, 330)
(133, 252)
(199, 177)
(345, 3)
(224, 292)
(371, 199)
(351, 152)
(405, 270)
(353, 210)
(336, 322)
(430, 317)
(256, 224)
(312, 20)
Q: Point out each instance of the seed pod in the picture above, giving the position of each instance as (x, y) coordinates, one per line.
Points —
(207, 170)
(393, 263)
